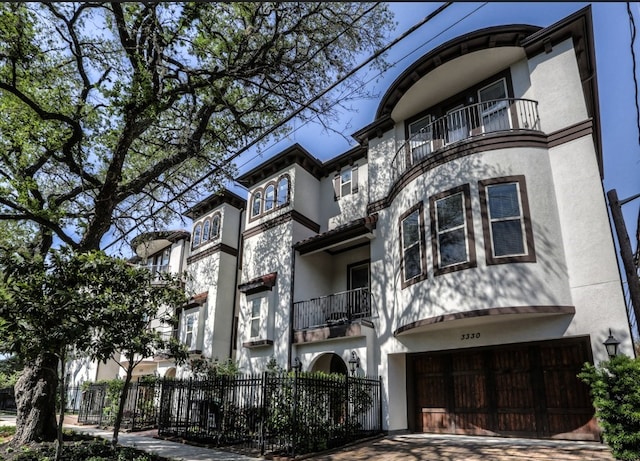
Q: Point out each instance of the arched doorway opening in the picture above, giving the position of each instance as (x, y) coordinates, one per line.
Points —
(171, 373)
(330, 363)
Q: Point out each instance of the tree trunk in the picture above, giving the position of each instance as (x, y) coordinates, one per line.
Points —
(35, 394)
(123, 400)
(61, 386)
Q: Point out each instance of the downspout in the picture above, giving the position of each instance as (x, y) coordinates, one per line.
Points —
(234, 324)
(293, 277)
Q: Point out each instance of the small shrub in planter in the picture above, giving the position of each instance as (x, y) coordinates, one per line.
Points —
(615, 389)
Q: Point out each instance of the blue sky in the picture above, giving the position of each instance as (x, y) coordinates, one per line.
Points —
(615, 83)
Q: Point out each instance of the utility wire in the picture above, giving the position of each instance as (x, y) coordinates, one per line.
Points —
(632, 25)
(298, 111)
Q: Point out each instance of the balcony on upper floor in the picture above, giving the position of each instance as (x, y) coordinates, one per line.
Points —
(334, 310)
(466, 123)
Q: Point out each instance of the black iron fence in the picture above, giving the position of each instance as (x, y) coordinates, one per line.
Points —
(278, 413)
(99, 405)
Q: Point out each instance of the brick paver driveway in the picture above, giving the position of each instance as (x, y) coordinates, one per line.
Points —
(428, 447)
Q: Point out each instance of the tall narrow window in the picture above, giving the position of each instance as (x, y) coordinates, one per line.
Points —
(215, 226)
(269, 197)
(283, 191)
(255, 323)
(506, 220)
(190, 331)
(257, 204)
(452, 230)
(196, 235)
(412, 245)
(345, 183)
(206, 230)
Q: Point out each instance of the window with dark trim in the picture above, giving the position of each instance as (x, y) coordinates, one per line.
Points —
(196, 235)
(269, 197)
(206, 231)
(256, 205)
(506, 220)
(282, 195)
(215, 226)
(345, 182)
(412, 245)
(452, 230)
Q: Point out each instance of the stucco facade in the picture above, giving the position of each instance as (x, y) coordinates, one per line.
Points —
(462, 248)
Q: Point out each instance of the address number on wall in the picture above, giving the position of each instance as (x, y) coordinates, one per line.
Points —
(466, 336)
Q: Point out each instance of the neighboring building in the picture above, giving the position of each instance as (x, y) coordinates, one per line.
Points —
(462, 251)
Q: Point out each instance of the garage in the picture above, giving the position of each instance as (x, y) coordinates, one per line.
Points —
(526, 390)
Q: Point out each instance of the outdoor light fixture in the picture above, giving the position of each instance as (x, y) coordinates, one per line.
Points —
(354, 362)
(612, 345)
(297, 365)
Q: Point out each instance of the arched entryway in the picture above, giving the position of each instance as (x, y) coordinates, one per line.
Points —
(171, 373)
(330, 363)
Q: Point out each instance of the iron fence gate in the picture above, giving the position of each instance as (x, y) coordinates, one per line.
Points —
(98, 406)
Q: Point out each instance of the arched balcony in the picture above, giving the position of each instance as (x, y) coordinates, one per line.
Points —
(472, 121)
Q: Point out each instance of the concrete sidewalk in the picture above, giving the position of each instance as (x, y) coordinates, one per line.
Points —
(165, 448)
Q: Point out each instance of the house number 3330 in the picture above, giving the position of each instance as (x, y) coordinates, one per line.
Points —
(465, 336)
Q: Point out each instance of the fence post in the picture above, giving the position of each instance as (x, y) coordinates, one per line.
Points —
(186, 426)
(263, 412)
(380, 403)
(347, 405)
(295, 414)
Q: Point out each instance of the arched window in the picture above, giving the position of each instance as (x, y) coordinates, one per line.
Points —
(205, 230)
(215, 227)
(196, 235)
(257, 204)
(283, 191)
(269, 197)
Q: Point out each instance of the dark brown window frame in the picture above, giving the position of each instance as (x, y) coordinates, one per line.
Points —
(204, 223)
(465, 189)
(197, 226)
(215, 215)
(423, 250)
(263, 197)
(350, 266)
(201, 223)
(530, 256)
(353, 182)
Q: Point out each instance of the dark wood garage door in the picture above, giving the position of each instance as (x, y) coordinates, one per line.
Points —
(515, 390)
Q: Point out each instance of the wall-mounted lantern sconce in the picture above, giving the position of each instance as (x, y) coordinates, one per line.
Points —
(612, 345)
(297, 365)
(354, 362)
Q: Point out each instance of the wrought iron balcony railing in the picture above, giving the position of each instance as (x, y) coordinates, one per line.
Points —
(465, 123)
(343, 307)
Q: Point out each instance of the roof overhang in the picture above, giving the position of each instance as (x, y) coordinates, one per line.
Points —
(340, 238)
(263, 283)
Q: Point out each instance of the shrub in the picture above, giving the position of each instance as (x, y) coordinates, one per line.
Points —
(615, 389)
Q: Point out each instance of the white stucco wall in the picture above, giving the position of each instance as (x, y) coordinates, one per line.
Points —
(557, 87)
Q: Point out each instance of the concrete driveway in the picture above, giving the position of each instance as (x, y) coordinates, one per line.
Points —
(429, 447)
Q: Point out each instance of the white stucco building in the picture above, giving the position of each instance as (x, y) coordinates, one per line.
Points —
(462, 251)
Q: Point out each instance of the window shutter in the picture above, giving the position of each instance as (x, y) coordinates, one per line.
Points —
(336, 187)
(354, 180)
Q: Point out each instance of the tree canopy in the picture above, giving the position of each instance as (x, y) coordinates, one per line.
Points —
(111, 110)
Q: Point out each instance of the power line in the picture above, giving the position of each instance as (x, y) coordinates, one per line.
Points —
(298, 111)
(632, 25)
